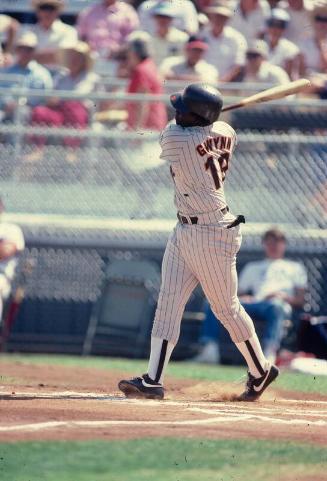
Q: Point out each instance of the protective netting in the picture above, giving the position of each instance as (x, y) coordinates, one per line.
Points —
(112, 193)
(273, 178)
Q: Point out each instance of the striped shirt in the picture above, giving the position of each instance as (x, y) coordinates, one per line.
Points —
(198, 158)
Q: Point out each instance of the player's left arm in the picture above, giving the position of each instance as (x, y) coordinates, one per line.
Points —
(172, 140)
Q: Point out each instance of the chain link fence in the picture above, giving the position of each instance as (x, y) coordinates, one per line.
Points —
(111, 197)
(274, 177)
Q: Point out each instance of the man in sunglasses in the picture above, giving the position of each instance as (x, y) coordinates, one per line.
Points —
(52, 34)
(258, 69)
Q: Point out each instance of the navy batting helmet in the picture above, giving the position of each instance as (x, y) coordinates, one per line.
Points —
(201, 99)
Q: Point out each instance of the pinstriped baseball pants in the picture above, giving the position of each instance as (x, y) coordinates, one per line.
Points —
(204, 254)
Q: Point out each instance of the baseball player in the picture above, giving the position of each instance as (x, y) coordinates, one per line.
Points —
(202, 247)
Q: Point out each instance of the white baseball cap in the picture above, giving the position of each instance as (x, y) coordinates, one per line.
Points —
(26, 39)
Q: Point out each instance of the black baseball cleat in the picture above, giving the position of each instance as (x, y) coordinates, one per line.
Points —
(255, 386)
(141, 387)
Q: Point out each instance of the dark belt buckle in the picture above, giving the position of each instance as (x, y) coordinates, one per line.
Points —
(184, 220)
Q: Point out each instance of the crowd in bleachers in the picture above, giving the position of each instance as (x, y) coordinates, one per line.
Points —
(257, 41)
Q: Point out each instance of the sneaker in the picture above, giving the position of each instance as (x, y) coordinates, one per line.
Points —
(255, 386)
(209, 354)
(141, 387)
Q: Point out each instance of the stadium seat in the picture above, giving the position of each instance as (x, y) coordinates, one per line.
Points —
(121, 321)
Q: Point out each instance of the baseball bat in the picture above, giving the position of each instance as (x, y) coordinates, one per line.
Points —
(273, 93)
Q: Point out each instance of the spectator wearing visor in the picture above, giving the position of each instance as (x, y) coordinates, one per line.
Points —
(281, 51)
(167, 40)
(191, 66)
(227, 47)
(52, 34)
(258, 69)
(314, 49)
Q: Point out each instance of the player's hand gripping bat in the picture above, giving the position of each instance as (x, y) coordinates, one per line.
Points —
(273, 93)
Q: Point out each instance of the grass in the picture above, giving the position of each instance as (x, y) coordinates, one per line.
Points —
(163, 459)
(288, 380)
(160, 459)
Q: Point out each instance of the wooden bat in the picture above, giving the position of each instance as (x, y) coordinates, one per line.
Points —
(271, 94)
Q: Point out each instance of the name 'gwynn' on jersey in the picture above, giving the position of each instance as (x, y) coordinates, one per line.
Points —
(199, 158)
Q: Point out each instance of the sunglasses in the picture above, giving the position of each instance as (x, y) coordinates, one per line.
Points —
(48, 7)
(25, 48)
(252, 55)
(320, 18)
(276, 23)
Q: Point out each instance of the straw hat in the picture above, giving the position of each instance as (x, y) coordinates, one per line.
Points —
(220, 8)
(82, 48)
(26, 39)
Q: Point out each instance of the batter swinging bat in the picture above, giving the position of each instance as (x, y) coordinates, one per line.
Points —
(271, 94)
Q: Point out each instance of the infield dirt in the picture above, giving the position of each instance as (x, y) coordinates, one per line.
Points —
(41, 402)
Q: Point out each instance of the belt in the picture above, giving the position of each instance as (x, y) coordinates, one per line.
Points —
(194, 220)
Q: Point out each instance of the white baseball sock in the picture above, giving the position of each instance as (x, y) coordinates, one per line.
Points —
(252, 353)
(161, 351)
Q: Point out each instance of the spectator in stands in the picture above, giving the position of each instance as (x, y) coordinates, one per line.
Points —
(249, 17)
(11, 245)
(300, 24)
(52, 34)
(258, 70)
(185, 15)
(227, 47)
(69, 112)
(106, 25)
(314, 49)
(269, 290)
(282, 52)
(35, 76)
(191, 66)
(144, 79)
(8, 31)
(166, 39)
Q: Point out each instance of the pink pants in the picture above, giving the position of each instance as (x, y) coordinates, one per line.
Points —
(70, 113)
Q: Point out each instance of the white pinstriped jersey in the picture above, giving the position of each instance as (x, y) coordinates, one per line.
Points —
(198, 158)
